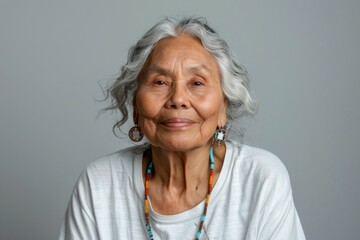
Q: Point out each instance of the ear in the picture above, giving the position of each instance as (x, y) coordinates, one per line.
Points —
(135, 112)
(222, 116)
(135, 117)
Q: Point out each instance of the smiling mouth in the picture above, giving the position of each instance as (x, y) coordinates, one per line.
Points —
(177, 123)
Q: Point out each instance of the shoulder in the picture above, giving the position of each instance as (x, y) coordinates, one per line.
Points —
(107, 169)
(266, 191)
(258, 163)
(263, 161)
(118, 161)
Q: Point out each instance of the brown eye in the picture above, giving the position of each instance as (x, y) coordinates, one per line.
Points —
(159, 82)
(198, 83)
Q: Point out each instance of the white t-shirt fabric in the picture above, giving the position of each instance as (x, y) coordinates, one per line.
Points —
(251, 200)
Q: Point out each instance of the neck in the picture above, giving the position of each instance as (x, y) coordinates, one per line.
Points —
(180, 170)
(173, 207)
(180, 179)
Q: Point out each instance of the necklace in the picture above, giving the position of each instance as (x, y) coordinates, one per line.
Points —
(203, 216)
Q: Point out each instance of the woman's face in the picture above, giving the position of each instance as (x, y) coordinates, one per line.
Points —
(179, 101)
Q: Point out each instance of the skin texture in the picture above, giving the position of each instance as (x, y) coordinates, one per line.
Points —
(178, 105)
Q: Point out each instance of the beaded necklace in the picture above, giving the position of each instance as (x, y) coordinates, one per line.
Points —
(203, 216)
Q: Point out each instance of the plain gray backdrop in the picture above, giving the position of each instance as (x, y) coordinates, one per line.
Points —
(303, 58)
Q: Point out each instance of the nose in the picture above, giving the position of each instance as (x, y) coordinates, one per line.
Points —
(178, 97)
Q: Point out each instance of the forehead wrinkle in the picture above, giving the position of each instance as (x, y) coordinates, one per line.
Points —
(199, 68)
(158, 69)
(193, 69)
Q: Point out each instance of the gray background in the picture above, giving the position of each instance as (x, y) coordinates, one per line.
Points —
(303, 57)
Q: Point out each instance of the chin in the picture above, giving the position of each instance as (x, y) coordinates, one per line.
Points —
(180, 144)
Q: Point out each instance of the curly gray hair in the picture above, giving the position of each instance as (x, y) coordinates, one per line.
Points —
(234, 77)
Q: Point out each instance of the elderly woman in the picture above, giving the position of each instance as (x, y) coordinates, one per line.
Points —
(188, 181)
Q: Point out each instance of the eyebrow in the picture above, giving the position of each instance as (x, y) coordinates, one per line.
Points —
(164, 71)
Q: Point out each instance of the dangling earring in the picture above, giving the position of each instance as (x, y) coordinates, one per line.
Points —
(135, 134)
(219, 136)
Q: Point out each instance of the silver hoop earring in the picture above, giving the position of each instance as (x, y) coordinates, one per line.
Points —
(219, 136)
(135, 134)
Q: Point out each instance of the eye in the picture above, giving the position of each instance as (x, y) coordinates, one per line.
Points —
(198, 83)
(159, 82)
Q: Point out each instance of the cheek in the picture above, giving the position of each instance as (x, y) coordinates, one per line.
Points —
(148, 108)
(147, 105)
(209, 107)
(146, 111)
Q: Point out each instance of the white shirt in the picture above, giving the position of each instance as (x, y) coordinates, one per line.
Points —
(252, 199)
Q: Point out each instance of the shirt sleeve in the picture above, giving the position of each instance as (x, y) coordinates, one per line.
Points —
(282, 221)
(79, 221)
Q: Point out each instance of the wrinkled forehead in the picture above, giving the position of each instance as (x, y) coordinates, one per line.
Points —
(185, 50)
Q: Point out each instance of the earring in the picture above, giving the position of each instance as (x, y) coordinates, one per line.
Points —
(135, 134)
(219, 136)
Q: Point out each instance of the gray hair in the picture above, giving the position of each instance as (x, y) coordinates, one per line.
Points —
(234, 77)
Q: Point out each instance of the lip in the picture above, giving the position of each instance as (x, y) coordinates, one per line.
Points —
(177, 122)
